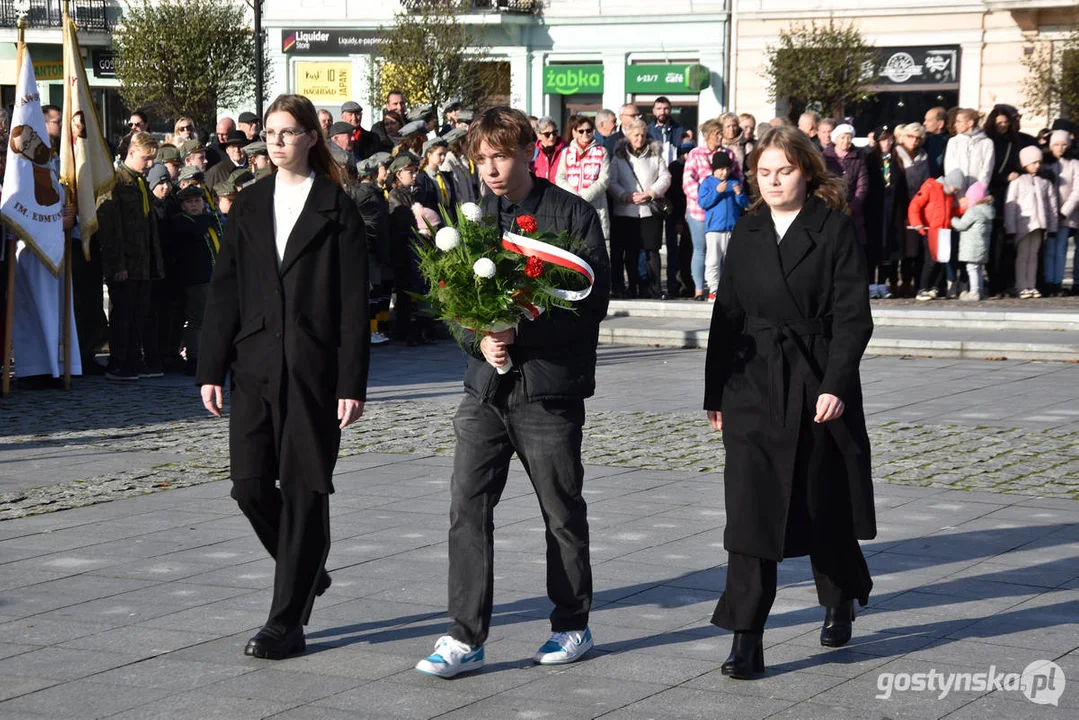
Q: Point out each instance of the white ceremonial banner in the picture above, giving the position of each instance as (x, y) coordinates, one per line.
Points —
(32, 199)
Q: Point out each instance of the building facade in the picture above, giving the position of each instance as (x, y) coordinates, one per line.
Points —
(962, 52)
(44, 39)
(563, 56)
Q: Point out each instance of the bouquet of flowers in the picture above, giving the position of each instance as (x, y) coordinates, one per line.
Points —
(485, 281)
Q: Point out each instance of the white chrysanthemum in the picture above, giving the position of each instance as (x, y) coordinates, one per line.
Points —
(471, 212)
(484, 267)
(447, 239)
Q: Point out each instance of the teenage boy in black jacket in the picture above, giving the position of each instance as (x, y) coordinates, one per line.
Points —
(535, 410)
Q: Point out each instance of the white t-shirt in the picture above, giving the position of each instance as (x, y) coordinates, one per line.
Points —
(288, 202)
(783, 222)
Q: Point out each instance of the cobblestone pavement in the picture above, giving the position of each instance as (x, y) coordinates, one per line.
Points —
(107, 440)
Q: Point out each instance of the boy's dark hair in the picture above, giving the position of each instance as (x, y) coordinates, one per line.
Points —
(504, 128)
(661, 99)
(721, 159)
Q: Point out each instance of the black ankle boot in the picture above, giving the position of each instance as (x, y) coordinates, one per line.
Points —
(272, 643)
(836, 630)
(746, 658)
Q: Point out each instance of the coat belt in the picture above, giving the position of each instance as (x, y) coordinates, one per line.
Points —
(786, 336)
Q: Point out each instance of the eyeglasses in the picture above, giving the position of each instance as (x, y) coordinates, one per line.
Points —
(185, 128)
(136, 124)
(287, 137)
(548, 134)
(585, 131)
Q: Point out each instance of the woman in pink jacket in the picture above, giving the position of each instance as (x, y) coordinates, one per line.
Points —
(585, 167)
(698, 167)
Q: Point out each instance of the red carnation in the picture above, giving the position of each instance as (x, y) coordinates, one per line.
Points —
(533, 266)
(442, 283)
(526, 223)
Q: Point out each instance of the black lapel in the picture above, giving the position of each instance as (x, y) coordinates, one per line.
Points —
(798, 242)
(762, 244)
(258, 223)
(321, 201)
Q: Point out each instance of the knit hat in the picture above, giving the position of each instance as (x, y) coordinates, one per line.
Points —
(975, 193)
(425, 217)
(955, 178)
(844, 129)
(157, 175)
(1030, 154)
(721, 159)
(1060, 136)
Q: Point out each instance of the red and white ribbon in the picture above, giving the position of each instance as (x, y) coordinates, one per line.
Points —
(549, 253)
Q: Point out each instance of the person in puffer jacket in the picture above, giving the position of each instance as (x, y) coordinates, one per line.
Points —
(723, 200)
(1030, 211)
(585, 167)
(975, 227)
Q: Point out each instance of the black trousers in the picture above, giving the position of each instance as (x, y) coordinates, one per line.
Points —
(839, 571)
(547, 438)
(625, 249)
(88, 296)
(130, 300)
(293, 524)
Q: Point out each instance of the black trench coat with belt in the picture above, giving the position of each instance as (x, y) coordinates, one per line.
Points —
(790, 322)
(295, 338)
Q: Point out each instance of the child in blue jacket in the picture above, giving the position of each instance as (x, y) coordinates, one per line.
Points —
(723, 199)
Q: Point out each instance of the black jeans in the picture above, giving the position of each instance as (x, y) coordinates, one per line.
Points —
(625, 249)
(547, 438)
(130, 300)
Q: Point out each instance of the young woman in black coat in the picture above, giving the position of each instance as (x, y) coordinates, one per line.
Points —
(789, 327)
(287, 319)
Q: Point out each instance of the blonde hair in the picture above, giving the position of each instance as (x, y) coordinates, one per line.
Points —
(801, 153)
(142, 141)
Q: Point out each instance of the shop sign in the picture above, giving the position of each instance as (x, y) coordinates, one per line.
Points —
(104, 63)
(330, 42)
(573, 79)
(49, 70)
(919, 66)
(667, 79)
(324, 83)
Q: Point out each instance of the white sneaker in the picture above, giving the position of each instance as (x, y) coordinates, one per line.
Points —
(564, 647)
(451, 657)
(378, 338)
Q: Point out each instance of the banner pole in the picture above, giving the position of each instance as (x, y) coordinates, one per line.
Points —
(9, 301)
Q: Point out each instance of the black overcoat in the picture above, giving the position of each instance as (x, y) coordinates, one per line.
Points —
(295, 338)
(791, 322)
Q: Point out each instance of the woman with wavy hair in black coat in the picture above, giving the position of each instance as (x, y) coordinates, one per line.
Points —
(789, 327)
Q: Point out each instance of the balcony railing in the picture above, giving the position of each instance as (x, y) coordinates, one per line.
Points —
(523, 7)
(89, 15)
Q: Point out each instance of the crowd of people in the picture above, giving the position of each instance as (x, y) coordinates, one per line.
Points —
(951, 207)
(909, 187)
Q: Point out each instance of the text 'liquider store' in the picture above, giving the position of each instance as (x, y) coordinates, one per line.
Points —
(582, 89)
(329, 67)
